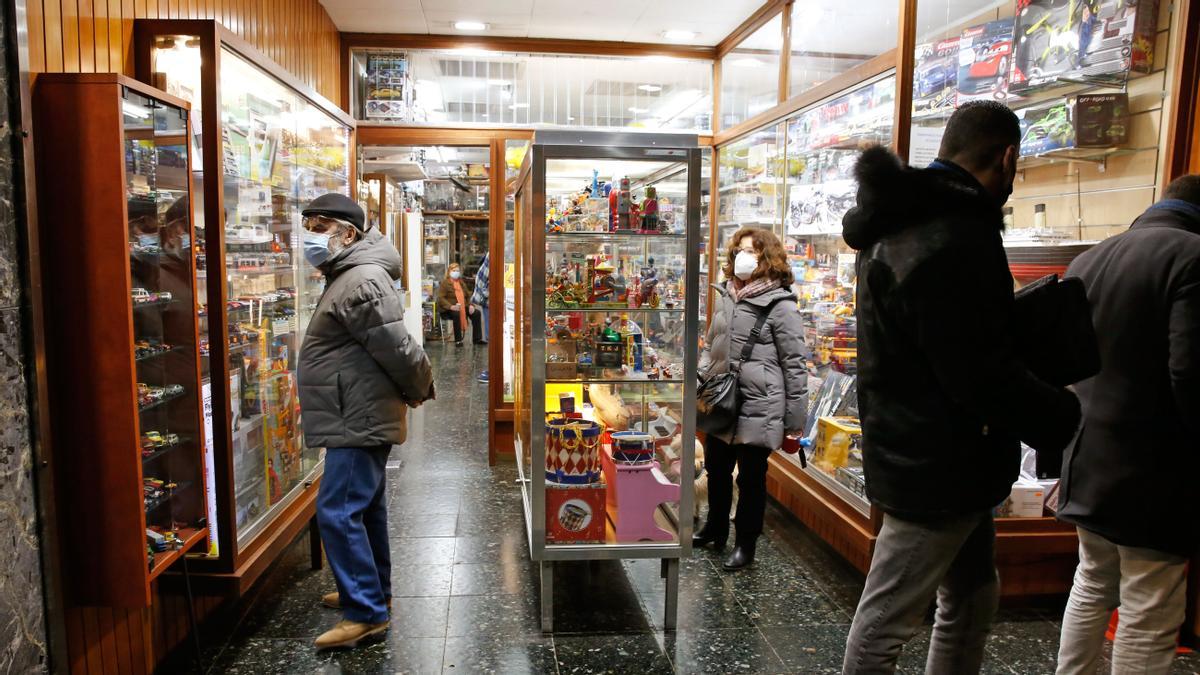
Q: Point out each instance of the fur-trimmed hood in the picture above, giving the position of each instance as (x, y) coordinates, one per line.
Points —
(892, 196)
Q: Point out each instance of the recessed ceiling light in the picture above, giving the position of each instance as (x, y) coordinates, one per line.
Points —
(570, 119)
(499, 83)
(470, 25)
(638, 111)
(676, 35)
(650, 88)
(483, 115)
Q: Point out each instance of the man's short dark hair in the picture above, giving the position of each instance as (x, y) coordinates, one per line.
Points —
(1186, 188)
(979, 131)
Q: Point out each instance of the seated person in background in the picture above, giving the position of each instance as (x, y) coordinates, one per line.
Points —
(452, 305)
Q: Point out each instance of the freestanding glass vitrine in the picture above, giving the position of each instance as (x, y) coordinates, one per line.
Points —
(605, 366)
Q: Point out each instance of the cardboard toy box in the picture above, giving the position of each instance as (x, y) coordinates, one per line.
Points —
(836, 437)
(936, 75)
(576, 514)
(985, 62)
(1026, 500)
(1088, 41)
(561, 360)
(1085, 121)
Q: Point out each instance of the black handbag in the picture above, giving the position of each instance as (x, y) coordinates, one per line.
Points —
(717, 403)
(1054, 334)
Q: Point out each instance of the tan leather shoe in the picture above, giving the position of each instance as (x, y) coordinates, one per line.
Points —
(333, 601)
(348, 634)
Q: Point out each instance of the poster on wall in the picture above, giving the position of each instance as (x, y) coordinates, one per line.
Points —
(1083, 41)
(985, 61)
(936, 82)
(388, 86)
(818, 208)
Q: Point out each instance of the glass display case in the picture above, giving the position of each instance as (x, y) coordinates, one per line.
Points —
(605, 362)
(750, 187)
(122, 345)
(270, 147)
(823, 144)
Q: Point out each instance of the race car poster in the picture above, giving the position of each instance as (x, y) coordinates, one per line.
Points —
(985, 61)
(935, 84)
(1085, 41)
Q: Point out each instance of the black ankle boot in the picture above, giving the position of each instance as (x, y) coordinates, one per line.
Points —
(704, 536)
(742, 556)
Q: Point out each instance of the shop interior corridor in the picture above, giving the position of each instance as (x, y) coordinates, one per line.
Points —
(466, 592)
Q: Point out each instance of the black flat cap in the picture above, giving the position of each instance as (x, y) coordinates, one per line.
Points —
(334, 205)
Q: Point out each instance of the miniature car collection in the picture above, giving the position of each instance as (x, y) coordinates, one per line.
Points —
(143, 297)
(149, 396)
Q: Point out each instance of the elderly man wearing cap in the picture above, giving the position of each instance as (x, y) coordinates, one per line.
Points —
(359, 373)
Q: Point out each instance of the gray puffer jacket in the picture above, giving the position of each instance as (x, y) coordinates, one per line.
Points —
(773, 386)
(358, 365)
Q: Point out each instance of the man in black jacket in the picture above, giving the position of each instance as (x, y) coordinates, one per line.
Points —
(359, 373)
(944, 401)
(1129, 481)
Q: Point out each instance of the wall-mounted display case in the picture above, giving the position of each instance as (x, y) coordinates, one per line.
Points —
(122, 339)
(605, 362)
(269, 146)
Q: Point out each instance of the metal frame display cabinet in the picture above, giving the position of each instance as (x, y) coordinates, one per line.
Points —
(269, 144)
(655, 383)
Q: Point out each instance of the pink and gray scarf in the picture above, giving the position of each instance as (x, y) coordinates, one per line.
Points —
(752, 288)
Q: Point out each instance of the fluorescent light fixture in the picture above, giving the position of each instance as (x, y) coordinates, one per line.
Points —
(470, 25)
(134, 110)
(638, 111)
(676, 35)
(469, 51)
(483, 115)
(499, 83)
(650, 88)
(570, 119)
(748, 62)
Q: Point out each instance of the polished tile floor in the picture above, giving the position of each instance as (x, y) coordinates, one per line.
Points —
(466, 593)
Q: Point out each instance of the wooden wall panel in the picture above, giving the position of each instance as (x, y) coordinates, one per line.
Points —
(97, 35)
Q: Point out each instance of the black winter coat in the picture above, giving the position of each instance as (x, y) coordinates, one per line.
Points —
(358, 365)
(1132, 474)
(943, 399)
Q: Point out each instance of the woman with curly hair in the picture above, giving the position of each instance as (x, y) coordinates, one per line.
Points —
(772, 385)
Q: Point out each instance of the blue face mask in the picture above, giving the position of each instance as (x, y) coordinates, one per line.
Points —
(316, 248)
(145, 240)
(184, 242)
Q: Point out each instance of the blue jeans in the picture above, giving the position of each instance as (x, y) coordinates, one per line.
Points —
(352, 516)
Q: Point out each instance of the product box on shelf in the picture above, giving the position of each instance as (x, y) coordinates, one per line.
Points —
(836, 438)
(1026, 500)
(985, 62)
(1088, 41)
(576, 513)
(936, 75)
(1085, 121)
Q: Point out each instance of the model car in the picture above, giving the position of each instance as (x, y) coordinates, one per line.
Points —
(172, 390)
(151, 440)
(140, 295)
(936, 78)
(991, 60)
(204, 348)
(172, 439)
(236, 305)
(161, 296)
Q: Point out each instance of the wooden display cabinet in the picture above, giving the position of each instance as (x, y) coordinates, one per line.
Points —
(381, 200)
(122, 344)
(269, 146)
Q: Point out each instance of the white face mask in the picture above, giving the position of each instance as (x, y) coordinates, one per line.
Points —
(455, 274)
(744, 265)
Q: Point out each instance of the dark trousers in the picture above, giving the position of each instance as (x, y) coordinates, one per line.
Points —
(751, 461)
(476, 327)
(352, 517)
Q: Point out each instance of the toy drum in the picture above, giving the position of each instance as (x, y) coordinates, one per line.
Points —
(632, 447)
(572, 451)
